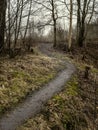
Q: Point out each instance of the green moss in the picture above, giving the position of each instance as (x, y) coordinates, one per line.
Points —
(57, 98)
(42, 79)
(94, 70)
(72, 87)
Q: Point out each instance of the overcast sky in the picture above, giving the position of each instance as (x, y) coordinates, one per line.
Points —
(41, 15)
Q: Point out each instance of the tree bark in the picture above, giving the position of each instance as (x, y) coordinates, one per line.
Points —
(55, 41)
(3, 5)
(27, 24)
(70, 27)
(83, 10)
(54, 23)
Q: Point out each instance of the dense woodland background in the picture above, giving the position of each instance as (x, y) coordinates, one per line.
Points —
(24, 22)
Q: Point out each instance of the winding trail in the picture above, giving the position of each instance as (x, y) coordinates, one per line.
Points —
(34, 103)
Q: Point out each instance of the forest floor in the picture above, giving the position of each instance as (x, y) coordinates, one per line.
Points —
(24, 75)
(20, 76)
(76, 107)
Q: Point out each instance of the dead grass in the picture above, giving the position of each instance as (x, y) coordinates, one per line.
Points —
(60, 112)
(22, 75)
(72, 109)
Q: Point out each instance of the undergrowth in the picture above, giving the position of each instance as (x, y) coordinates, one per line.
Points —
(60, 112)
(23, 75)
(73, 108)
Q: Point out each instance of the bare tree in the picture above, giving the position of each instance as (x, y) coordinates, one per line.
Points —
(51, 7)
(85, 8)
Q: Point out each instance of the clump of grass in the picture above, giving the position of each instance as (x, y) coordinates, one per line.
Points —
(72, 87)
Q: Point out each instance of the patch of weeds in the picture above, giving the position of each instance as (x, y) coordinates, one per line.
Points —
(72, 87)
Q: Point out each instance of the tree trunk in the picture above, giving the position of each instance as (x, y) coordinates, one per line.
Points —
(54, 22)
(55, 41)
(9, 27)
(2, 23)
(80, 39)
(81, 18)
(27, 24)
(70, 27)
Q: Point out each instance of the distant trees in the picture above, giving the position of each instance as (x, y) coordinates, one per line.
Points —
(85, 10)
(18, 17)
(69, 10)
(3, 5)
(18, 21)
(51, 7)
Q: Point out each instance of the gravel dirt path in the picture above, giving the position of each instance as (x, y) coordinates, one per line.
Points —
(35, 102)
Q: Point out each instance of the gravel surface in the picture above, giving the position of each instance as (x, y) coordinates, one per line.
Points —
(35, 102)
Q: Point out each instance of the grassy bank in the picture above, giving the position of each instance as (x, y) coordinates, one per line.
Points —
(23, 75)
(74, 108)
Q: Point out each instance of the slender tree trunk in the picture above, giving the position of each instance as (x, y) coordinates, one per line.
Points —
(55, 41)
(9, 28)
(78, 38)
(2, 23)
(54, 23)
(28, 19)
(20, 19)
(70, 27)
(16, 24)
(82, 28)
